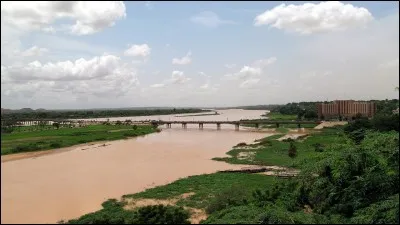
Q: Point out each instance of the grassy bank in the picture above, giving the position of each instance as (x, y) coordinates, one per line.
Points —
(279, 116)
(205, 188)
(341, 181)
(290, 126)
(270, 151)
(24, 140)
(209, 193)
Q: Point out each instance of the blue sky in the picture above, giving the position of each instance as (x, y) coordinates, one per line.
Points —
(72, 55)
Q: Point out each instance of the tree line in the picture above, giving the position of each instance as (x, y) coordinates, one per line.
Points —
(85, 114)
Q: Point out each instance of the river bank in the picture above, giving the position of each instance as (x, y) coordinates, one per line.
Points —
(32, 141)
(269, 152)
(83, 179)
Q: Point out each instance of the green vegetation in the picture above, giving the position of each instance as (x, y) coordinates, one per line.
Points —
(24, 140)
(348, 175)
(270, 151)
(114, 213)
(302, 110)
(79, 114)
(206, 188)
(289, 126)
(280, 116)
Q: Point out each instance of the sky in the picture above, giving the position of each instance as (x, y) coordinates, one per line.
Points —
(70, 55)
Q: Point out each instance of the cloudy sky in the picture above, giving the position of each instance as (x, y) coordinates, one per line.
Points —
(126, 54)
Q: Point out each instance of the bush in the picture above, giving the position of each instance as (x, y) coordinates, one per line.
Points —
(384, 122)
(134, 127)
(318, 147)
(118, 122)
(114, 213)
(55, 145)
(292, 150)
(241, 144)
(25, 148)
(160, 214)
(233, 196)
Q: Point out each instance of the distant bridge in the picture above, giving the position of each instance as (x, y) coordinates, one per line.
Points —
(237, 124)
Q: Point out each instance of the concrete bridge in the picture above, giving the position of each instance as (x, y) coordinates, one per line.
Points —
(237, 124)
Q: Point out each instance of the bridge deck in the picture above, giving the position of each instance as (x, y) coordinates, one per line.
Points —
(237, 122)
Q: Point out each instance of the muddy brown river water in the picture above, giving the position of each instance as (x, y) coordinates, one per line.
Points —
(71, 183)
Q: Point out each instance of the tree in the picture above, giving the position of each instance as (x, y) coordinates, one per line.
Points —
(56, 125)
(292, 150)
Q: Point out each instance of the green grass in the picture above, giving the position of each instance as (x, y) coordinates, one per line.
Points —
(279, 116)
(291, 126)
(275, 152)
(206, 187)
(26, 141)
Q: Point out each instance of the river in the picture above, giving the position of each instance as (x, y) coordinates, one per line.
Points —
(71, 183)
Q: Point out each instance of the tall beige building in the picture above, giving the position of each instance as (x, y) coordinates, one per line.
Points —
(346, 109)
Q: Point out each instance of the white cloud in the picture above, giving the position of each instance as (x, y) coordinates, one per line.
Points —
(261, 63)
(178, 77)
(142, 50)
(248, 71)
(157, 85)
(255, 69)
(49, 29)
(104, 76)
(89, 17)
(312, 18)
(205, 86)
(34, 51)
(230, 66)
(209, 19)
(184, 60)
(81, 69)
(390, 64)
(249, 83)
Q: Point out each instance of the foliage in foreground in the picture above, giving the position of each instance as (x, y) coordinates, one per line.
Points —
(113, 213)
(346, 183)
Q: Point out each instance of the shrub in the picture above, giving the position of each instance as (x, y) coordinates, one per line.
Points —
(241, 144)
(134, 127)
(232, 196)
(160, 214)
(318, 147)
(25, 148)
(118, 122)
(114, 213)
(56, 125)
(292, 150)
(55, 145)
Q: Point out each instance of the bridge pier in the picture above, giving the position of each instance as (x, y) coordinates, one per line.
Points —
(256, 125)
(237, 127)
(168, 125)
(200, 126)
(277, 125)
(298, 126)
(218, 126)
(184, 125)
